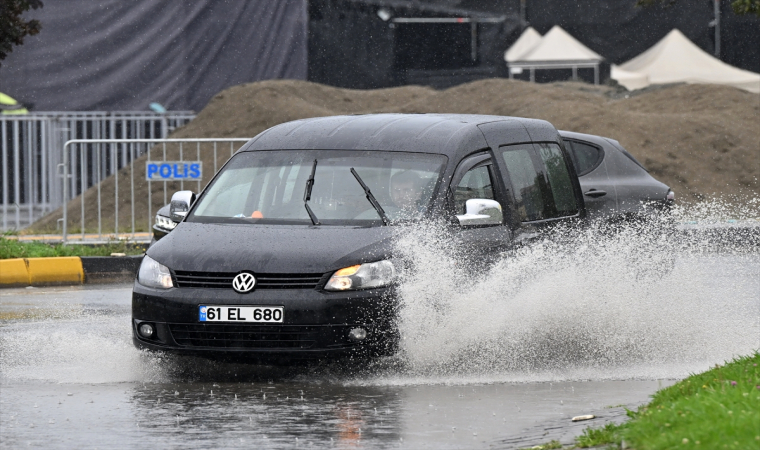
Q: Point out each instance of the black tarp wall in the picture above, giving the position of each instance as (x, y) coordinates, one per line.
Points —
(619, 30)
(117, 55)
(351, 46)
(740, 39)
(113, 55)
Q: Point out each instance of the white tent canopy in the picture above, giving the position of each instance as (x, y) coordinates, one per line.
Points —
(558, 50)
(558, 46)
(631, 80)
(675, 59)
(527, 41)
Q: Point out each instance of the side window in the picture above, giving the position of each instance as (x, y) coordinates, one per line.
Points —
(476, 183)
(526, 181)
(233, 197)
(540, 181)
(585, 156)
(559, 179)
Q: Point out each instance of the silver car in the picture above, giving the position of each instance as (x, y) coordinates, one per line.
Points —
(615, 185)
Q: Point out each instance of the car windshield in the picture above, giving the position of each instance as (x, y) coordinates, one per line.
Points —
(269, 186)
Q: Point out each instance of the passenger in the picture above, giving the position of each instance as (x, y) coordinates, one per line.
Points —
(405, 191)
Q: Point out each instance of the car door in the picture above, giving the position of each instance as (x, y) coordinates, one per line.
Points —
(635, 186)
(591, 164)
(542, 186)
(475, 177)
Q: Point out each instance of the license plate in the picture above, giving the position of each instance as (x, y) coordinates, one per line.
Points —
(256, 314)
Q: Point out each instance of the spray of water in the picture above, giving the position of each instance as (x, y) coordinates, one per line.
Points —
(629, 300)
(90, 348)
(624, 300)
(72, 345)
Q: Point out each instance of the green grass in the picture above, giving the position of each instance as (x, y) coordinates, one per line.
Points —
(12, 248)
(548, 446)
(716, 409)
(599, 436)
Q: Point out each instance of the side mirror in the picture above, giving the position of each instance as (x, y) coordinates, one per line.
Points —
(481, 211)
(180, 205)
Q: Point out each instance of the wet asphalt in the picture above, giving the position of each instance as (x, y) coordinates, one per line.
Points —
(70, 378)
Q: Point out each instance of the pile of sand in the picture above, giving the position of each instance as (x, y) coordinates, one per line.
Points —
(702, 140)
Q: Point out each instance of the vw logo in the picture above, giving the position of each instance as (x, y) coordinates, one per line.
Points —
(243, 282)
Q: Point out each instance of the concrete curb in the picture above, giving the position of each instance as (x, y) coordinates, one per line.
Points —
(68, 270)
(110, 269)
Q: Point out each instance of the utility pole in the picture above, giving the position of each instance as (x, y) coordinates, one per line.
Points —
(716, 24)
(523, 14)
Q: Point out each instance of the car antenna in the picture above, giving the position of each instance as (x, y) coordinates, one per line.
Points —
(307, 194)
(371, 197)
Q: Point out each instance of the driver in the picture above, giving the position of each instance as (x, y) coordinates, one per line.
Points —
(405, 191)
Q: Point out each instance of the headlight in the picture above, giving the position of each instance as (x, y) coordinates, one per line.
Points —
(165, 222)
(362, 276)
(155, 275)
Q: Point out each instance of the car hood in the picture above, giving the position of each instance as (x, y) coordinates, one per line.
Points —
(270, 248)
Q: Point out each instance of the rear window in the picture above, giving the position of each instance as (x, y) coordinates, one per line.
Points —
(585, 156)
(628, 155)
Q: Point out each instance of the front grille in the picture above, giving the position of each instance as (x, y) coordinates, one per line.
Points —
(223, 280)
(243, 336)
(204, 279)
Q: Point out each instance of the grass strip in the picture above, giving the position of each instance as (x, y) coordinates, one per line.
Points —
(11, 248)
(552, 445)
(717, 409)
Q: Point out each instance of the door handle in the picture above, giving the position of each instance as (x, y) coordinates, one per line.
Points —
(595, 193)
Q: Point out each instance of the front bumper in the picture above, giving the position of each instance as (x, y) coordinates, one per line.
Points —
(316, 324)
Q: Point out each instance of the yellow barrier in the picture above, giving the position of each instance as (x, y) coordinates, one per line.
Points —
(13, 272)
(41, 271)
(61, 270)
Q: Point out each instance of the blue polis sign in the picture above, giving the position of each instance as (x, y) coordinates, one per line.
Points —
(174, 170)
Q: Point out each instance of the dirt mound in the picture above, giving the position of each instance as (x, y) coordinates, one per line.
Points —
(702, 140)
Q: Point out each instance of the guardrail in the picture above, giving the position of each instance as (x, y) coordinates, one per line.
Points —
(30, 146)
(93, 154)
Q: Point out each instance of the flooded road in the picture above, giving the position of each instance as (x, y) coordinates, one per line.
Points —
(69, 376)
(307, 413)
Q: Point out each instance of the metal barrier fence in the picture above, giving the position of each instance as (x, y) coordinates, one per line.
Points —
(91, 155)
(31, 150)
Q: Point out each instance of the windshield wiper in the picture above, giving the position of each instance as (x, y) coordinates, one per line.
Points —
(307, 194)
(370, 197)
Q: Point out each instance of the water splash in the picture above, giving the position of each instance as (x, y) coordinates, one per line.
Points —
(608, 301)
(625, 300)
(90, 348)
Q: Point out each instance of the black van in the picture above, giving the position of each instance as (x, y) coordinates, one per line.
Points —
(288, 251)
